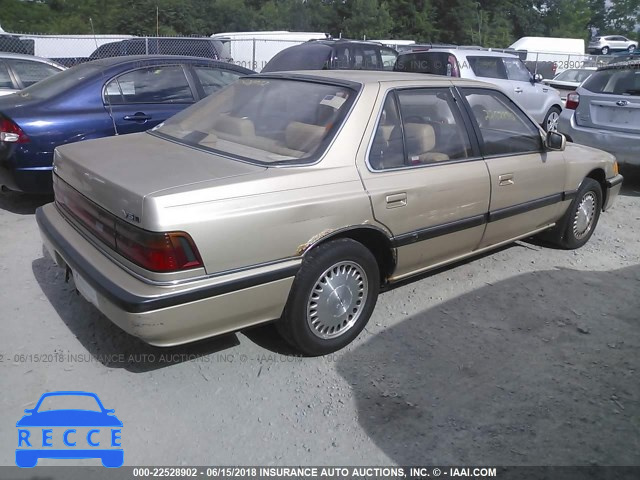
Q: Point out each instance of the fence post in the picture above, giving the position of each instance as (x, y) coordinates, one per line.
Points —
(253, 54)
(146, 45)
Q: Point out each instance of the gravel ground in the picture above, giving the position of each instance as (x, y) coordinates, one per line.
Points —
(526, 356)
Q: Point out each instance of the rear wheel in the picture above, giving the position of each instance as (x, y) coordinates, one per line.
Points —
(551, 119)
(332, 298)
(604, 50)
(580, 220)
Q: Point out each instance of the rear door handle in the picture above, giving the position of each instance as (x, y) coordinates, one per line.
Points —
(505, 180)
(396, 200)
(137, 117)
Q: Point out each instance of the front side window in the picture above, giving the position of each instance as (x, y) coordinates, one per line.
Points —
(436, 63)
(159, 84)
(32, 72)
(504, 128)
(264, 120)
(516, 70)
(615, 81)
(418, 127)
(489, 67)
(213, 79)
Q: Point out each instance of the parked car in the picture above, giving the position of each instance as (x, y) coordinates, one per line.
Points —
(502, 69)
(328, 54)
(97, 99)
(611, 43)
(296, 196)
(190, 47)
(20, 71)
(569, 80)
(604, 112)
(623, 57)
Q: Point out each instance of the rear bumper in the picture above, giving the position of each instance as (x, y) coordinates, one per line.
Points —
(166, 315)
(614, 184)
(625, 146)
(27, 180)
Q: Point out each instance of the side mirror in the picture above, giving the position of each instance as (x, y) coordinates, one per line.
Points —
(555, 141)
(537, 78)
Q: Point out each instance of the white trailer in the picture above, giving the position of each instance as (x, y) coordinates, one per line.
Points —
(254, 49)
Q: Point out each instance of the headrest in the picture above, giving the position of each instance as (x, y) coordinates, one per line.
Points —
(303, 137)
(240, 127)
(420, 137)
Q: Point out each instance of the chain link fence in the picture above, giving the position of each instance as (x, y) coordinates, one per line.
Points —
(253, 53)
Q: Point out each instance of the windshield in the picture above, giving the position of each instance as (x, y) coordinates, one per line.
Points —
(60, 82)
(69, 402)
(264, 120)
(615, 81)
(574, 75)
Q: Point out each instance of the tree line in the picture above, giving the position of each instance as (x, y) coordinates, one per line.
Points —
(490, 23)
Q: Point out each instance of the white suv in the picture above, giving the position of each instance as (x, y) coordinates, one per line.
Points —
(612, 43)
(507, 71)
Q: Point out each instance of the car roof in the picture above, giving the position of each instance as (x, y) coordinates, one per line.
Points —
(467, 52)
(629, 64)
(33, 58)
(150, 59)
(373, 76)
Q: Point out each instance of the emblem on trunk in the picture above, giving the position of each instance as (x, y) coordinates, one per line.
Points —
(131, 217)
(622, 103)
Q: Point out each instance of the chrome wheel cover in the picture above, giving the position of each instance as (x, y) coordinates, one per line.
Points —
(552, 121)
(337, 300)
(585, 215)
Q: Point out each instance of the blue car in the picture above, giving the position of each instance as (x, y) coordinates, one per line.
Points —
(110, 96)
(54, 433)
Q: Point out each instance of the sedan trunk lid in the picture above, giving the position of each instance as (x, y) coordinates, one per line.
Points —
(118, 173)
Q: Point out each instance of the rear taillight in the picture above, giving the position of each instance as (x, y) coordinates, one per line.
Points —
(158, 252)
(10, 132)
(573, 100)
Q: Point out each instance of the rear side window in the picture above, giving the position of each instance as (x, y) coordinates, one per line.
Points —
(161, 84)
(436, 63)
(489, 67)
(32, 72)
(388, 58)
(615, 82)
(213, 79)
(5, 79)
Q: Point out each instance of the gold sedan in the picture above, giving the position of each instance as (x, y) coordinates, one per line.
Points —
(295, 197)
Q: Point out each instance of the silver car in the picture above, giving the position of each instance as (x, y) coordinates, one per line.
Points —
(19, 71)
(505, 70)
(604, 112)
(611, 43)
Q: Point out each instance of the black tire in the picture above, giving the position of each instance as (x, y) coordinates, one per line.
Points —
(551, 119)
(569, 232)
(604, 50)
(303, 326)
(632, 48)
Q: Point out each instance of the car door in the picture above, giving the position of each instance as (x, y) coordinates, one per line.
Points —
(527, 182)
(144, 97)
(426, 181)
(533, 97)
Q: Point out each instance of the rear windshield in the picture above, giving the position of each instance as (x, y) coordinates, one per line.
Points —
(60, 82)
(264, 121)
(615, 82)
(436, 63)
(574, 75)
(304, 57)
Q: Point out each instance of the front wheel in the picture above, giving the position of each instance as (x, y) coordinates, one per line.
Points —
(551, 119)
(604, 50)
(580, 220)
(332, 298)
(632, 48)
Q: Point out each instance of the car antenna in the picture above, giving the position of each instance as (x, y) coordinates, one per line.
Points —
(95, 39)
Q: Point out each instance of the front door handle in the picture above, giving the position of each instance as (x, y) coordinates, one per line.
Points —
(396, 200)
(517, 90)
(505, 180)
(137, 117)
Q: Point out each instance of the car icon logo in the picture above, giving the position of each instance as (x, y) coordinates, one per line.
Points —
(87, 431)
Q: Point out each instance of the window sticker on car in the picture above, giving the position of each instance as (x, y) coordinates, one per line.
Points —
(333, 101)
